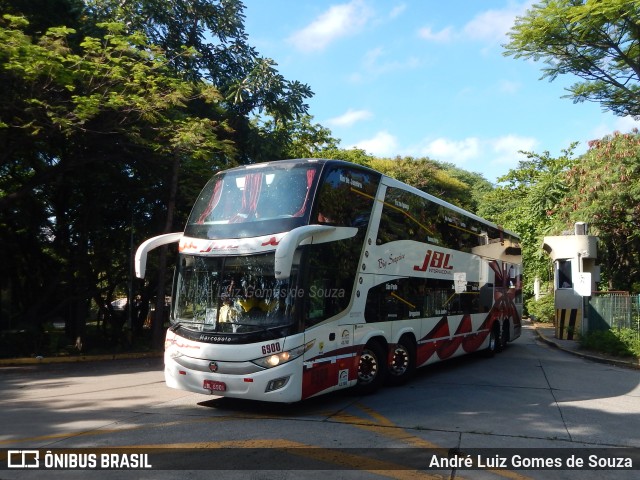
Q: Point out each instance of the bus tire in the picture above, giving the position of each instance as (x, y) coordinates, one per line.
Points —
(505, 336)
(372, 368)
(402, 361)
(492, 348)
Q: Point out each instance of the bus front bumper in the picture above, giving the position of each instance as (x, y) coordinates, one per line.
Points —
(279, 384)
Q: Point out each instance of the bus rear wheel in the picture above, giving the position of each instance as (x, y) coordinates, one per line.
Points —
(494, 339)
(505, 336)
(402, 361)
(371, 368)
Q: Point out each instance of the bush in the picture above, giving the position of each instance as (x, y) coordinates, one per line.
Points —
(622, 342)
(542, 310)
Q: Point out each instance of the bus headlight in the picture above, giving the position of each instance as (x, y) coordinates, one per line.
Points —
(276, 359)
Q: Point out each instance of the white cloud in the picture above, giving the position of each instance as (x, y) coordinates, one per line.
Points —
(490, 26)
(378, 61)
(339, 21)
(505, 150)
(382, 144)
(350, 117)
(443, 36)
(625, 124)
(619, 124)
(507, 86)
(458, 152)
(398, 10)
(476, 154)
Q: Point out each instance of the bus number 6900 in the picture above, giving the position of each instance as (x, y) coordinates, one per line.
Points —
(271, 348)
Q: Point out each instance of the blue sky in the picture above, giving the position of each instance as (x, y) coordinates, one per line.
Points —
(424, 78)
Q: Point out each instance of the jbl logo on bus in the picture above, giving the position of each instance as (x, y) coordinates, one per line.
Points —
(435, 259)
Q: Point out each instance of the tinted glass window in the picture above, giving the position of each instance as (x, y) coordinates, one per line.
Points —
(345, 197)
(408, 298)
(407, 216)
(254, 201)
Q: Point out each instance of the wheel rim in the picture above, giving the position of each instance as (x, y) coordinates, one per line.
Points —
(368, 368)
(400, 361)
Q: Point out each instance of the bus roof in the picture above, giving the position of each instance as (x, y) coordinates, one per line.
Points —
(387, 180)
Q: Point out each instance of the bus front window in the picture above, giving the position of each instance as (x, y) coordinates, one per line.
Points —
(231, 294)
(252, 202)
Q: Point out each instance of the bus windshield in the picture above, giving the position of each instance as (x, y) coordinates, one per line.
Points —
(236, 294)
(260, 200)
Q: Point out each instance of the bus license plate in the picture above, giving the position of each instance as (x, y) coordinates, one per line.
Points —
(215, 386)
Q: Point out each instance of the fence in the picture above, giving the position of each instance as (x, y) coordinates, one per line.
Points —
(614, 310)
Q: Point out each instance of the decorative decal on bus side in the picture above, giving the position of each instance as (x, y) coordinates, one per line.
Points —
(436, 262)
(247, 245)
(392, 260)
(273, 241)
(194, 245)
(343, 378)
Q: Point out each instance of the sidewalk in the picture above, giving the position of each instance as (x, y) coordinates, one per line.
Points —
(39, 360)
(546, 333)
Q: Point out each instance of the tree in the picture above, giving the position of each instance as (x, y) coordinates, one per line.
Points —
(298, 138)
(250, 84)
(108, 135)
(603, 189)
(89, 133)
(598, 41)
(526, 202)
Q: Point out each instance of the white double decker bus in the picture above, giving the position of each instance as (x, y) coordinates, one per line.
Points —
(299, 277)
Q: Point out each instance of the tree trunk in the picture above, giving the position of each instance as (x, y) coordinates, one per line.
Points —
(158, 319)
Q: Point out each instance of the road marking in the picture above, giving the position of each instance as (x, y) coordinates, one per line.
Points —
(387, 428)
(379, 424)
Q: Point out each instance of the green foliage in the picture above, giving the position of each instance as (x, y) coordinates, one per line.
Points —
(604, 190)
(598, 41)
(430, 176)
(214, 30)
(624, 342)
(543, 310)
(108, 136)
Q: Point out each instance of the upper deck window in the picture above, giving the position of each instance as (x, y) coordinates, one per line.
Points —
(345, 197)
(254, 201)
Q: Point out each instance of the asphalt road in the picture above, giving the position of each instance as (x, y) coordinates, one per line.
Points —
(532, 402)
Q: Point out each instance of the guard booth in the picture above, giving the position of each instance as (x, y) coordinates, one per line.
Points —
(575, 276)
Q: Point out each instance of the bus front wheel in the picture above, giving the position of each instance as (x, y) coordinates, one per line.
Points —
(371, 368)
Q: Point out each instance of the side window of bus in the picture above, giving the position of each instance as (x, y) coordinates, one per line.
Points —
(460, 232)
(407, 298)
(345, 198)
(406, 216)
(330, 276)
(398, 299)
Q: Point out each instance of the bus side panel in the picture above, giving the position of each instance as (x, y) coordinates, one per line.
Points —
(332, 362)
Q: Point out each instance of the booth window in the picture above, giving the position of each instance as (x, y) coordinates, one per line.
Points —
(564, 274)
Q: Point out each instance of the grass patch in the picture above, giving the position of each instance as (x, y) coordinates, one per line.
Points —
(623, 342)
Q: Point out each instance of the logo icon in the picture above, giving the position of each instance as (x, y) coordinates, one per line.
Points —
(23, 459)
(213, 366)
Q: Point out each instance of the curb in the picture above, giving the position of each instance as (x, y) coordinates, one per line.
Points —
(635, 364)
(11, 362)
